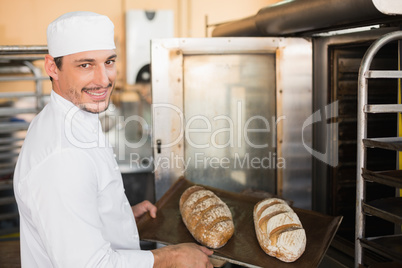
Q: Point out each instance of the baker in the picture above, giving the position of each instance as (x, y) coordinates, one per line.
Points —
(68, 187)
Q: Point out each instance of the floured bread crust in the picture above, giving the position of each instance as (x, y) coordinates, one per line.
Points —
(206, 216)
(279, 230)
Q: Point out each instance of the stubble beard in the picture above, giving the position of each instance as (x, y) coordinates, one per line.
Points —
(87, 106)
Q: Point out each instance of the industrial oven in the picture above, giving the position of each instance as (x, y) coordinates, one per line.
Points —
(223, 115)
(297, 62)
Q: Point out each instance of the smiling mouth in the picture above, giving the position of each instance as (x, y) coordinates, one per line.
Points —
(95, 93)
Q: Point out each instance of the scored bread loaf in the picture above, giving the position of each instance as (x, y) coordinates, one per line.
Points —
(279, 230)
(206, 216)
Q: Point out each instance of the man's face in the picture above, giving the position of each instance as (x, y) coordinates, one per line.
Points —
(87, 79)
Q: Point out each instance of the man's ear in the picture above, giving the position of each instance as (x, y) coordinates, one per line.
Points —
(51, 68)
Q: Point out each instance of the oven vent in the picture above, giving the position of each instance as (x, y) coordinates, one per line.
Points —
(302, 16)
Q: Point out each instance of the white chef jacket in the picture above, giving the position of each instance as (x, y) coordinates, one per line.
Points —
(70, 195)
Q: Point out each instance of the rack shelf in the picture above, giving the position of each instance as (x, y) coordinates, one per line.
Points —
(394, 143)
(384, 74)
(389, 209)
(13, 111)
(7, 200)
(8, 216)
(6, 185)
(391, 178)
(388, 246)
(383, 108)
(13, 127)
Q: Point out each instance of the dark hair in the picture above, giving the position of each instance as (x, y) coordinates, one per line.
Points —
(59, 62)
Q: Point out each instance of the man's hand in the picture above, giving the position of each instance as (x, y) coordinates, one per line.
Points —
(187, 255)
(142, 208)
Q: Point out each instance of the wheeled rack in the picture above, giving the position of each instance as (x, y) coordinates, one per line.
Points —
(389, 209)
(22, 82)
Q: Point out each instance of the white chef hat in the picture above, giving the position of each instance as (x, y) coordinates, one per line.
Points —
(79, 31)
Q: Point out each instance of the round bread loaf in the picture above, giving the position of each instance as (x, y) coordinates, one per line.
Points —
(206, 216)
(279, 230)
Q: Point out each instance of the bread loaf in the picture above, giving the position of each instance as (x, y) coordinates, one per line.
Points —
(206, 216)
(279, 230)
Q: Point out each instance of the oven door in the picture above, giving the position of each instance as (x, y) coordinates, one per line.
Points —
(229, 113)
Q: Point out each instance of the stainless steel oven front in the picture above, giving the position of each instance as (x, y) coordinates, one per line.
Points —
(229, 113)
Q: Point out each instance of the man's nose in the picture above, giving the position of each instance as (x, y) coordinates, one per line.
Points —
(101, 76)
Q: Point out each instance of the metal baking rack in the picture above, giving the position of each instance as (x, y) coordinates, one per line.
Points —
(388, 209)
(21, 97)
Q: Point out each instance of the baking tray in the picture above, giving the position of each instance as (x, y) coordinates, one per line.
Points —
(243, 248)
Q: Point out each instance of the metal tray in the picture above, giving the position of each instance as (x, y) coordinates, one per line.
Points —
(243, 248)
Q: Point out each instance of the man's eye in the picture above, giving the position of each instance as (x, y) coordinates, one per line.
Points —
(85, 65)
(110, 62)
